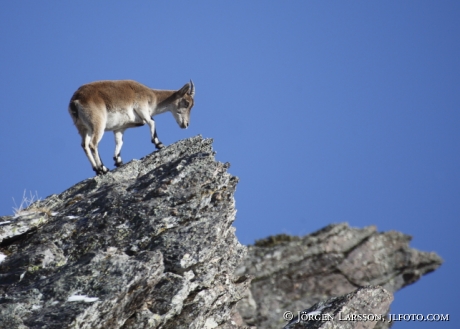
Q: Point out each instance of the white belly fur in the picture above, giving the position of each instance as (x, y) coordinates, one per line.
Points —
(122, 119)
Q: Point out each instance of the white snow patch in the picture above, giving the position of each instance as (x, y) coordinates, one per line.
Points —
(36, 307)
(82, 298)
(91, 299)
(2, 257)
(71, 217)
(22, 276)
(4, 223)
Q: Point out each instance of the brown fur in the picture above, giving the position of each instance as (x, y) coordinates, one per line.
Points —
(118, 93)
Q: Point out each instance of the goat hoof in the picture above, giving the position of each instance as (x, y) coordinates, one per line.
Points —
(118, 161)
(159, 146)
(101, 171)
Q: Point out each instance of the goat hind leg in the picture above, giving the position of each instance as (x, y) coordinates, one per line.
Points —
(86, 138)
(96, 138)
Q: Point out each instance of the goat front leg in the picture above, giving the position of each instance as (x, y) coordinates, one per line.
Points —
(159, 145)
(118, 134)
(153, 133)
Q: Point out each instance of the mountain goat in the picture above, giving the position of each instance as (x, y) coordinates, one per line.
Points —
(118, 105)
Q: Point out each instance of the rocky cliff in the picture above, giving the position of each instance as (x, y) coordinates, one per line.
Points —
(291, 273)
(151, 245)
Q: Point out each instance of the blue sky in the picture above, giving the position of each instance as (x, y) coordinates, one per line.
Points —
(328, 111)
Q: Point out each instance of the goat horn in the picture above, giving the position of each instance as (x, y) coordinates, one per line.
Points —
(192, 88)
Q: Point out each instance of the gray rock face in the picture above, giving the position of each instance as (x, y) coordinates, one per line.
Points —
(293, 273)
(151, 245)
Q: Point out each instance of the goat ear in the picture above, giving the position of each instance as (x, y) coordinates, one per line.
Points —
(185, 89)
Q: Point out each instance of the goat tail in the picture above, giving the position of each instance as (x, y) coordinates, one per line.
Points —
(73, 110)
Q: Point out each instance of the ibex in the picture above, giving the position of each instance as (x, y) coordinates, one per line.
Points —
(118, 105)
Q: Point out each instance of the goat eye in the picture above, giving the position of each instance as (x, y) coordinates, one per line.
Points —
(185, 103)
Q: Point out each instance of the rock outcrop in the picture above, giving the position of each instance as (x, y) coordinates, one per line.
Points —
(292, 273)
(151, 245)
